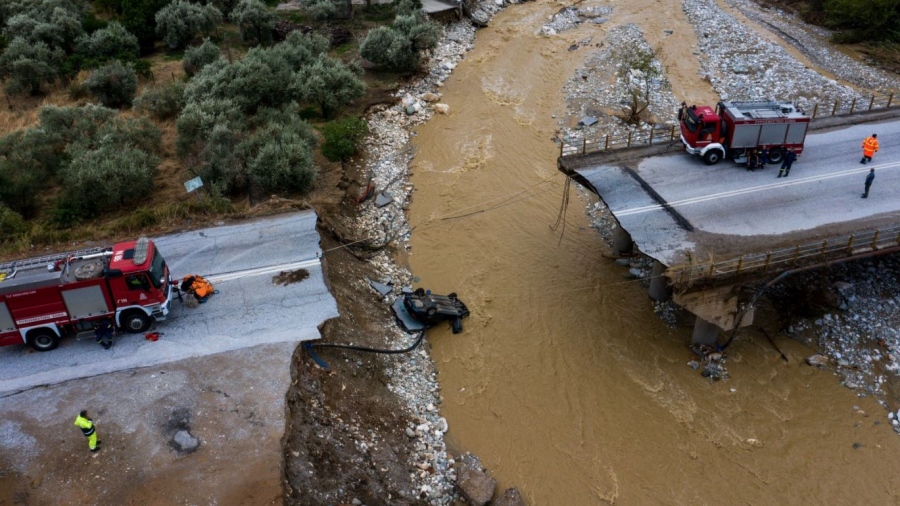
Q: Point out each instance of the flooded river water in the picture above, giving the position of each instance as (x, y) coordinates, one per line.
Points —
(564, 382)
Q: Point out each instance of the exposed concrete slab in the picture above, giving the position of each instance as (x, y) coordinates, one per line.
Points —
(655, 232)
(248, 310)
(435, 6)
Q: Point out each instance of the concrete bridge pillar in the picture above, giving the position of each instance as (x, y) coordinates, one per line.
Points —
(622, 243)
(705, 332)
(659, 284)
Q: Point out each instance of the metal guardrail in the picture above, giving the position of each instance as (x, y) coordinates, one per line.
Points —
(829, 249)
(659, 134)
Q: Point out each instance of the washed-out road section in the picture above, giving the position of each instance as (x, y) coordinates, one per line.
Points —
(219, 373)
(248, 310)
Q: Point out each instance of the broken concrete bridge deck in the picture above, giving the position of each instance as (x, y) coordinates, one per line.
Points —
(248, 310)
(678, 210)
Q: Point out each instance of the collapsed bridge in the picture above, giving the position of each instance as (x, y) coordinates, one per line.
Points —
(714, 229)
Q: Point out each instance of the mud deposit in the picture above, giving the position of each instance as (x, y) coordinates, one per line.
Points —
(564, 382)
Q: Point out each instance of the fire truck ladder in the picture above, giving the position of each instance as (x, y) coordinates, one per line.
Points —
(10, 268)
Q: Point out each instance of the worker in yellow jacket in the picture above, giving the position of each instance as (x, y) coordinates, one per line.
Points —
(870, 146)
(83, 422)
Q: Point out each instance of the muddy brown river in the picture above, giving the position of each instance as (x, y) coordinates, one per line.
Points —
(564, 382)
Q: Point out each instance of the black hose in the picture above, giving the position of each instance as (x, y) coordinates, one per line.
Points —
(308, 346)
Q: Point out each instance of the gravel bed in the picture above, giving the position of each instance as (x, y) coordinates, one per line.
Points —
(812, 42)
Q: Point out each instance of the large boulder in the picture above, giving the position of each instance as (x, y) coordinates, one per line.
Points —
(474, 484)
(512, 497)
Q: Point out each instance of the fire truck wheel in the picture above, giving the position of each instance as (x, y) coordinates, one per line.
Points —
(712, 157)
(135, 321)
(43, 339)
(776, 156)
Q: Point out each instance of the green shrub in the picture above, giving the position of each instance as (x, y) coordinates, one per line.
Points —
(322, 10)
(55, 26)
(180, 21)
(28, 66)
(225, 7)
(329, 83)
(343, 137)
(282, 164)
(104, 179)
(400, 46)
(113, 85)
(113, 42)
(255, 20)
(197, 57)
(77, 91)
(18, 187)
(162, 102)
(198, 118)
(11, 224)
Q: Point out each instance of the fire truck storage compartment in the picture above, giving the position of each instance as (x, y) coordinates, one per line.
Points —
(6, 322)
(745, 136)
(85, 302)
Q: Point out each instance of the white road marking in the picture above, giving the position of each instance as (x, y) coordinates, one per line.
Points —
(261, 271)
(743, 191)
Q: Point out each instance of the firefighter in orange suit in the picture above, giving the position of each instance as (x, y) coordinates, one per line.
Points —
(870, 146)
(83, 422)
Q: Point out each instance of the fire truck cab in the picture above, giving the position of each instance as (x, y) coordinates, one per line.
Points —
(42, 299)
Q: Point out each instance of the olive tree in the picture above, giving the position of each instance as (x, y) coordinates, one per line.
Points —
(329, 83)
(180, 21)
(114, 85)
(162, 102)
(103, 179)
(400, 45)
(111, 43)
(197, 57)
(28, 66)
(57, 27)
(255, 20)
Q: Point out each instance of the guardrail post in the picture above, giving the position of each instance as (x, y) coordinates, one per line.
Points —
(850, 245)
(875, 239)
(672, 135)
(629, 138)
(824, 246)
(834, 109)
(768, 260)
(852, 105)
(890, 99)
(606, 144)
(815, 110)
(651, 136)
(796, 253)
(871, 102)
(712, 268)
(584, 145)
(562, 145)
(739, 265)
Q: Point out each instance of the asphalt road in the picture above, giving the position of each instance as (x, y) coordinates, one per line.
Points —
(824, 188)
(248, 310)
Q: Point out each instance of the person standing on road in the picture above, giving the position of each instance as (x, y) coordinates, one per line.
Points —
(104, 333)
(870, 147)
(869, 179)
(789, 158)
(84, 422)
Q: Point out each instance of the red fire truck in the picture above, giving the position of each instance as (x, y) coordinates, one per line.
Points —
(735, 128)
(42, 299)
